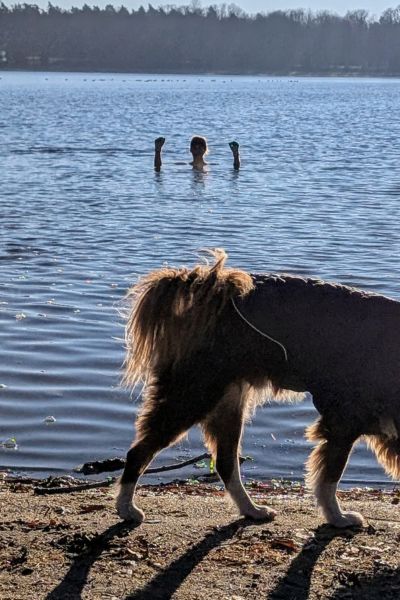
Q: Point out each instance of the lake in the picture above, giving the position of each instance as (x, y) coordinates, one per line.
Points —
(83, 214)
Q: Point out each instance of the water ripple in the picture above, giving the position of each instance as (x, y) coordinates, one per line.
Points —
(82, 214)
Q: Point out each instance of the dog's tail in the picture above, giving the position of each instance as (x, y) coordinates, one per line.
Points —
(387, 451)
(175, 311)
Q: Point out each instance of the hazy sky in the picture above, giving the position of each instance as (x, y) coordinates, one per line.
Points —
(375, 7)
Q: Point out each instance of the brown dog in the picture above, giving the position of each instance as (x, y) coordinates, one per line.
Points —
(210, 342)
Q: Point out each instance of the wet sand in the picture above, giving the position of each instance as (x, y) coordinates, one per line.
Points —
(193, 545)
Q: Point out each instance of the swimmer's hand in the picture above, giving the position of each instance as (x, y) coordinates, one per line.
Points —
(234, 146)
(159, 143)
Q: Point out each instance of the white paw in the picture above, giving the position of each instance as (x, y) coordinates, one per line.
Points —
(129, 512)
(347, 519)
(259, 513)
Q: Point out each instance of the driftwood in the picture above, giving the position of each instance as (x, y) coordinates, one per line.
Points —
(101, 466)
(112, 464)
(115, 464)
(44, 491)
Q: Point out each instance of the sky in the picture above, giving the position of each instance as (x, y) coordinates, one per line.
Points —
(375, 7)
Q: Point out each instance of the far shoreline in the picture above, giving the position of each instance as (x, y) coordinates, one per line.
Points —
(177, 73)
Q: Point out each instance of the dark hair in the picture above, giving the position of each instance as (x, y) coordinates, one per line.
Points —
(198, 143)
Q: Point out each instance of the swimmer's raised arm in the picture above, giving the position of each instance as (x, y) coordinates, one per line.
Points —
(234, 146)
(158, 144)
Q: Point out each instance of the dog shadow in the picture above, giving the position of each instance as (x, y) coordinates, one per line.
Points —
(168, 581)
(380, 586)
(162, 586)
(75, 579)
(296, 582)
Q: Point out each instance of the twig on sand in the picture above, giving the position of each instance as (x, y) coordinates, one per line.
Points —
(112, 464)
(115, 464)
(42, 491)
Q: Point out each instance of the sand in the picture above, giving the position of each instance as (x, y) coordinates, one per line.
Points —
(193, 546)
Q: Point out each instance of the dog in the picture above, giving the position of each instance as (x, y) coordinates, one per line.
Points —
(210, 343)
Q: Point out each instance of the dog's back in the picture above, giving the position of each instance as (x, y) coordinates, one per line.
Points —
(334, 335)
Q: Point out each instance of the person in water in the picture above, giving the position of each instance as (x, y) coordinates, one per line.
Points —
(198, 148)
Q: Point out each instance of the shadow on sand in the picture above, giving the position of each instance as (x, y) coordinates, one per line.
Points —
(297, 580)
(168, 581)
(163, 585)
(75, 579)
(293, 586)
(384, 585)
(384, 582)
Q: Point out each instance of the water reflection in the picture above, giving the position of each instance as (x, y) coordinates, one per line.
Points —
(199, 177)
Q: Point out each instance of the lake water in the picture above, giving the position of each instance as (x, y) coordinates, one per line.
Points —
(82, 214)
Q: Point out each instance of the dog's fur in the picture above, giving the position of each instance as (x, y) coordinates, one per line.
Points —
(190, 340)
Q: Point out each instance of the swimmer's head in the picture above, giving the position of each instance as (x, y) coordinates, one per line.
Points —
(198, 146)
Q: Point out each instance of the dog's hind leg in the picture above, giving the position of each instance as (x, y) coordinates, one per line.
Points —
(138, 457)
(325, 467)
(159, 424)
(223, 431)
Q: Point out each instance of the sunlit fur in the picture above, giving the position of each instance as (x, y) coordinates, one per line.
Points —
(202, 363)
(174, 309)
(387, 451)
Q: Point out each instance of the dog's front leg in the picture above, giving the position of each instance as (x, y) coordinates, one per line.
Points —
(237, 492)
(223, 431)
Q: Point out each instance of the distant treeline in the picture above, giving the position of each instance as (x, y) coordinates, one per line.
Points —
(219, 39)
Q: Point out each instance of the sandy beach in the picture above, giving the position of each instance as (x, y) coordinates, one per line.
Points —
(193, 545)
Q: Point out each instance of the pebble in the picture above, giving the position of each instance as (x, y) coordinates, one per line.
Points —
(49, 420)
(10, 444)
